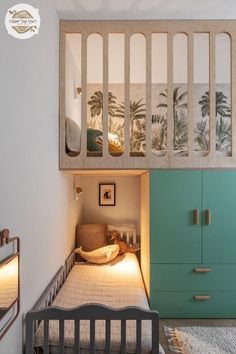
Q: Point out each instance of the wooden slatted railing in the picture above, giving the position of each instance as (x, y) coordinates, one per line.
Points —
(150, 159)
(55, 285)
(92, 313)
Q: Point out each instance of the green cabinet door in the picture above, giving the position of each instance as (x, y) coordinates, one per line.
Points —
(173, 197)
(219, 196)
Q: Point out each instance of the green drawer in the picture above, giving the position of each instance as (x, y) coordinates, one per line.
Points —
(182, 277)
(183, 305)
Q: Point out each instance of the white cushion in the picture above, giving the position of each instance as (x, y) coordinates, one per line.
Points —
(100, 255)
(72, 135)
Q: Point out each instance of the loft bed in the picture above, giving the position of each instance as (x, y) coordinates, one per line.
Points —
(90, 308)
(147, 94)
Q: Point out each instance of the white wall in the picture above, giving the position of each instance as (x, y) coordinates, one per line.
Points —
(127, 209)
(145, 9)
(138, 61)
(36, 199)
(73, 77)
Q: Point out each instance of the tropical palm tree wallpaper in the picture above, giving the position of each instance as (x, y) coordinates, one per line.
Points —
(180, 106)
(137, 112)
(116, 116)
(223, 123)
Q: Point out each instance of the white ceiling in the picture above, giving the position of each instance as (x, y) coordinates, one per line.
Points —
(145, 9)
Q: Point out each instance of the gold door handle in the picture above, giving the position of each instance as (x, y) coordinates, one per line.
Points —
(195, 217)
(201, 297)
(208, 217)
(202, 270)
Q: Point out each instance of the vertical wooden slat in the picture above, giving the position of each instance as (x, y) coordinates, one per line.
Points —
(92, 337)
(77, 337)
(105, 95)
(127, 237)
(62, 95)
(121, 234)
(84, 95)
(148, 94)
(46, 337)
(127, 96)
(155, 337)
(134, 237)
(212, 98)
(138, 336)
(123, 336)
(233, 94)
(61, 336)
(190, 95)
(108, 337)
(170, 86)
(29, 336)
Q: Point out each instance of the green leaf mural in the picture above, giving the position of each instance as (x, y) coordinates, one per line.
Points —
(159, 132)
(96, 103)
(223, 123)
(180, 106)
(137, 112)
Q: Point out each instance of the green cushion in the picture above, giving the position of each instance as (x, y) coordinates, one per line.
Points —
(92, 135)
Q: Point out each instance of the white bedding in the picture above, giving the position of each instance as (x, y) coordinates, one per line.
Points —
(116, 284)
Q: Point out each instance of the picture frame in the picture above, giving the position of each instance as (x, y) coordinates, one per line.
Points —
(107, 194)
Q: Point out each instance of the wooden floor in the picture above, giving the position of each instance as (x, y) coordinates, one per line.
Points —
(190, 323)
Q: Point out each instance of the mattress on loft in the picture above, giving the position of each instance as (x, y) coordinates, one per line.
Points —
(116, 284)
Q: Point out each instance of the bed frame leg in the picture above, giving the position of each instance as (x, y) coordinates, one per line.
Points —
(155, 336)
(29, 335)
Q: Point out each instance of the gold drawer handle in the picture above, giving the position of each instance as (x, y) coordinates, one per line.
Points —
(202, 270)
(208, 217)
(201, 297)
(195, 217)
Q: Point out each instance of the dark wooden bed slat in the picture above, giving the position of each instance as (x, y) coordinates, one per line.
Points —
(77, 337)
(155, 337)
(61, 336)
(92, 337)
(29, 338)
(123, 336)
(108, 337)
(139, 336)
(46, 337)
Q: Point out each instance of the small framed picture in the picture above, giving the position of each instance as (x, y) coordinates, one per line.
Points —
(107, 194)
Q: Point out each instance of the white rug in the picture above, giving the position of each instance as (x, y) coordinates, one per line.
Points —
(202, 340)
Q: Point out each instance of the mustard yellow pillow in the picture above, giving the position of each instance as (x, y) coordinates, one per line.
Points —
(100, 255)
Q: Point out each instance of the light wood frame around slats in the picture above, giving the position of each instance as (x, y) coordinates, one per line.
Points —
(150, 160)
(127, 96)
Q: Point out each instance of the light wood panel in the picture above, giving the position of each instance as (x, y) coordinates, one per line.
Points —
(149, 161)
(105, 173)
(145, 231)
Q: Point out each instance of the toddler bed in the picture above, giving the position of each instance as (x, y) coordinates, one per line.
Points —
(94, 309)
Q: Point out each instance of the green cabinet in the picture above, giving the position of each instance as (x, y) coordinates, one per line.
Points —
(193, 243)
(173, 197)
(219, 196)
